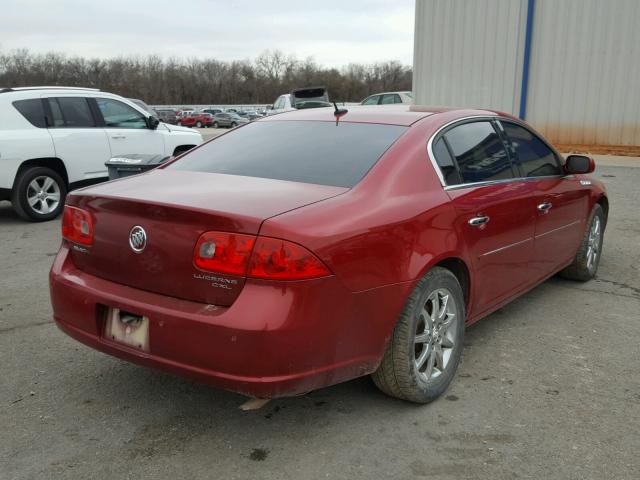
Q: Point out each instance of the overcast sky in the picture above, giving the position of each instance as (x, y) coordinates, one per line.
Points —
(334, 32)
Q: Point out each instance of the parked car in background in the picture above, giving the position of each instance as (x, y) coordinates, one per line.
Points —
(250, 115)
(388, 98)
(53, 139)
(182, 114)
(301, 98)
(198, 120)
(230, 120)
(167, 116)
(212, 111)
(368, 241)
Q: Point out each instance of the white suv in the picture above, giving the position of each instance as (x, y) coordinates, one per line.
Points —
(53, 139)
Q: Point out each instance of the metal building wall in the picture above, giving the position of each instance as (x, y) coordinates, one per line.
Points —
(584, 70)
(469, 53)
(584, 85)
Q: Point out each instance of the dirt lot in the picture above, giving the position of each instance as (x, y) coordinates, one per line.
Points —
(549, 388)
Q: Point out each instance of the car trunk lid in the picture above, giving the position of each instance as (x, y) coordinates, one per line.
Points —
(175, 208)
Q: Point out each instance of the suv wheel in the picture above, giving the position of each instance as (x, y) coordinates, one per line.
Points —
(215, 125)
(38, 194)
(198, 124)
(234, 124)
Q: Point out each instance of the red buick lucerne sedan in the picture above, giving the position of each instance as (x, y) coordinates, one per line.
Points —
(313, 247)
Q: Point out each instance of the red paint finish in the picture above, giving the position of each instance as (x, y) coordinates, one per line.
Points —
(270, 338)
(205, 119)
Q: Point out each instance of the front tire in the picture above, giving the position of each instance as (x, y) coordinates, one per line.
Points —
(425, 349)
(38, 194)
(215, 125)
(585, 264)
(234, 124)
(199, 125)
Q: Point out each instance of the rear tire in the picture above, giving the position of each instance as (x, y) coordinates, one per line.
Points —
(425, 349)
(38, 194)
(199, 124)
(215, 125)
(585, 264)
(234, 124)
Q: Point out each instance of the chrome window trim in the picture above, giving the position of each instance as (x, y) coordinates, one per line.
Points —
(499, 119)
(494, 182)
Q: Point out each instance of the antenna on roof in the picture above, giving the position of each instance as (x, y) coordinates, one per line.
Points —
(339, 111)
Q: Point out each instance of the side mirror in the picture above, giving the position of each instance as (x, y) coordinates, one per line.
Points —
(579, 164)
(152, 122)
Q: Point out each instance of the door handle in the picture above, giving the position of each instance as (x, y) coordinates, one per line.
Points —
(117, 137)
(544, 207)
(477, 221)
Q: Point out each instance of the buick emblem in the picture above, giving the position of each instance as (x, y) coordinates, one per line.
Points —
(137, 239)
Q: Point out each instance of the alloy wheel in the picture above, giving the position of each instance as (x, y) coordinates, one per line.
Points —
(435, 334)
(43, 194)
(593, 243)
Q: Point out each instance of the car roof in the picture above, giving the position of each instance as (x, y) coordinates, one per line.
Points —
(53, 87)
(394, 114)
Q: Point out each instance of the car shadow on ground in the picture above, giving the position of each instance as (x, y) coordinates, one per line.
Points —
(193, 402)
(7, 215)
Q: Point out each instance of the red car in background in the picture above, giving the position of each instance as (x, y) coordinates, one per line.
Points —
(198, 120)
(310, 248)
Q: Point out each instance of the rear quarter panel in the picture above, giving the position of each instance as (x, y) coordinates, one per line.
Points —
(390, 228)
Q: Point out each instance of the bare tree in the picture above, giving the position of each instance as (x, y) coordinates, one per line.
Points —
(201, 81)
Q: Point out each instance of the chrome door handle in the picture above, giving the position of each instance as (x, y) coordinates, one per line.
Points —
(118, 136)
(544, 207)
(477, 221)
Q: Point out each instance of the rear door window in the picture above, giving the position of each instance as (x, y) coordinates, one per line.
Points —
(71, 112)
(390, 98)
(479, 152)
(445, 162)
(531, 155)
(372, 100)
(32, 110)
(311, 152)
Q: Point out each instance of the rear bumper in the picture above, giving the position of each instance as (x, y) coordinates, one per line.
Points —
(277, 339)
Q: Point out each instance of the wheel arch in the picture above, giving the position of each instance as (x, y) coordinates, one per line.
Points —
(459, 268)
(603, 201)
(54, 163)
(180, 149)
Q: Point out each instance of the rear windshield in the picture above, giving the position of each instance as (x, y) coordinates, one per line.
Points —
(311, 152)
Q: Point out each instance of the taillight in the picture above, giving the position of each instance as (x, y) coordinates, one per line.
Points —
(77, 226)
(223, 252)
(281, 260)
(257, 257)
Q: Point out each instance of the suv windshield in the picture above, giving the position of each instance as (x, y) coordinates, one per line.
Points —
(311, 152)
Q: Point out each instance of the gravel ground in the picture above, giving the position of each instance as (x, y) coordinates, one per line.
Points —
(549, 388)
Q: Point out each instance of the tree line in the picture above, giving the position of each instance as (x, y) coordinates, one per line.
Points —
(176, 81)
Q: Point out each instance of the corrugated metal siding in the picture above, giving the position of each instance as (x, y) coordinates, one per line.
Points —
(469, 53)
(585, 71)
(584, 84)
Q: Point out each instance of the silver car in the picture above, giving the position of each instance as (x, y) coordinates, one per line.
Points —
(226, 119)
